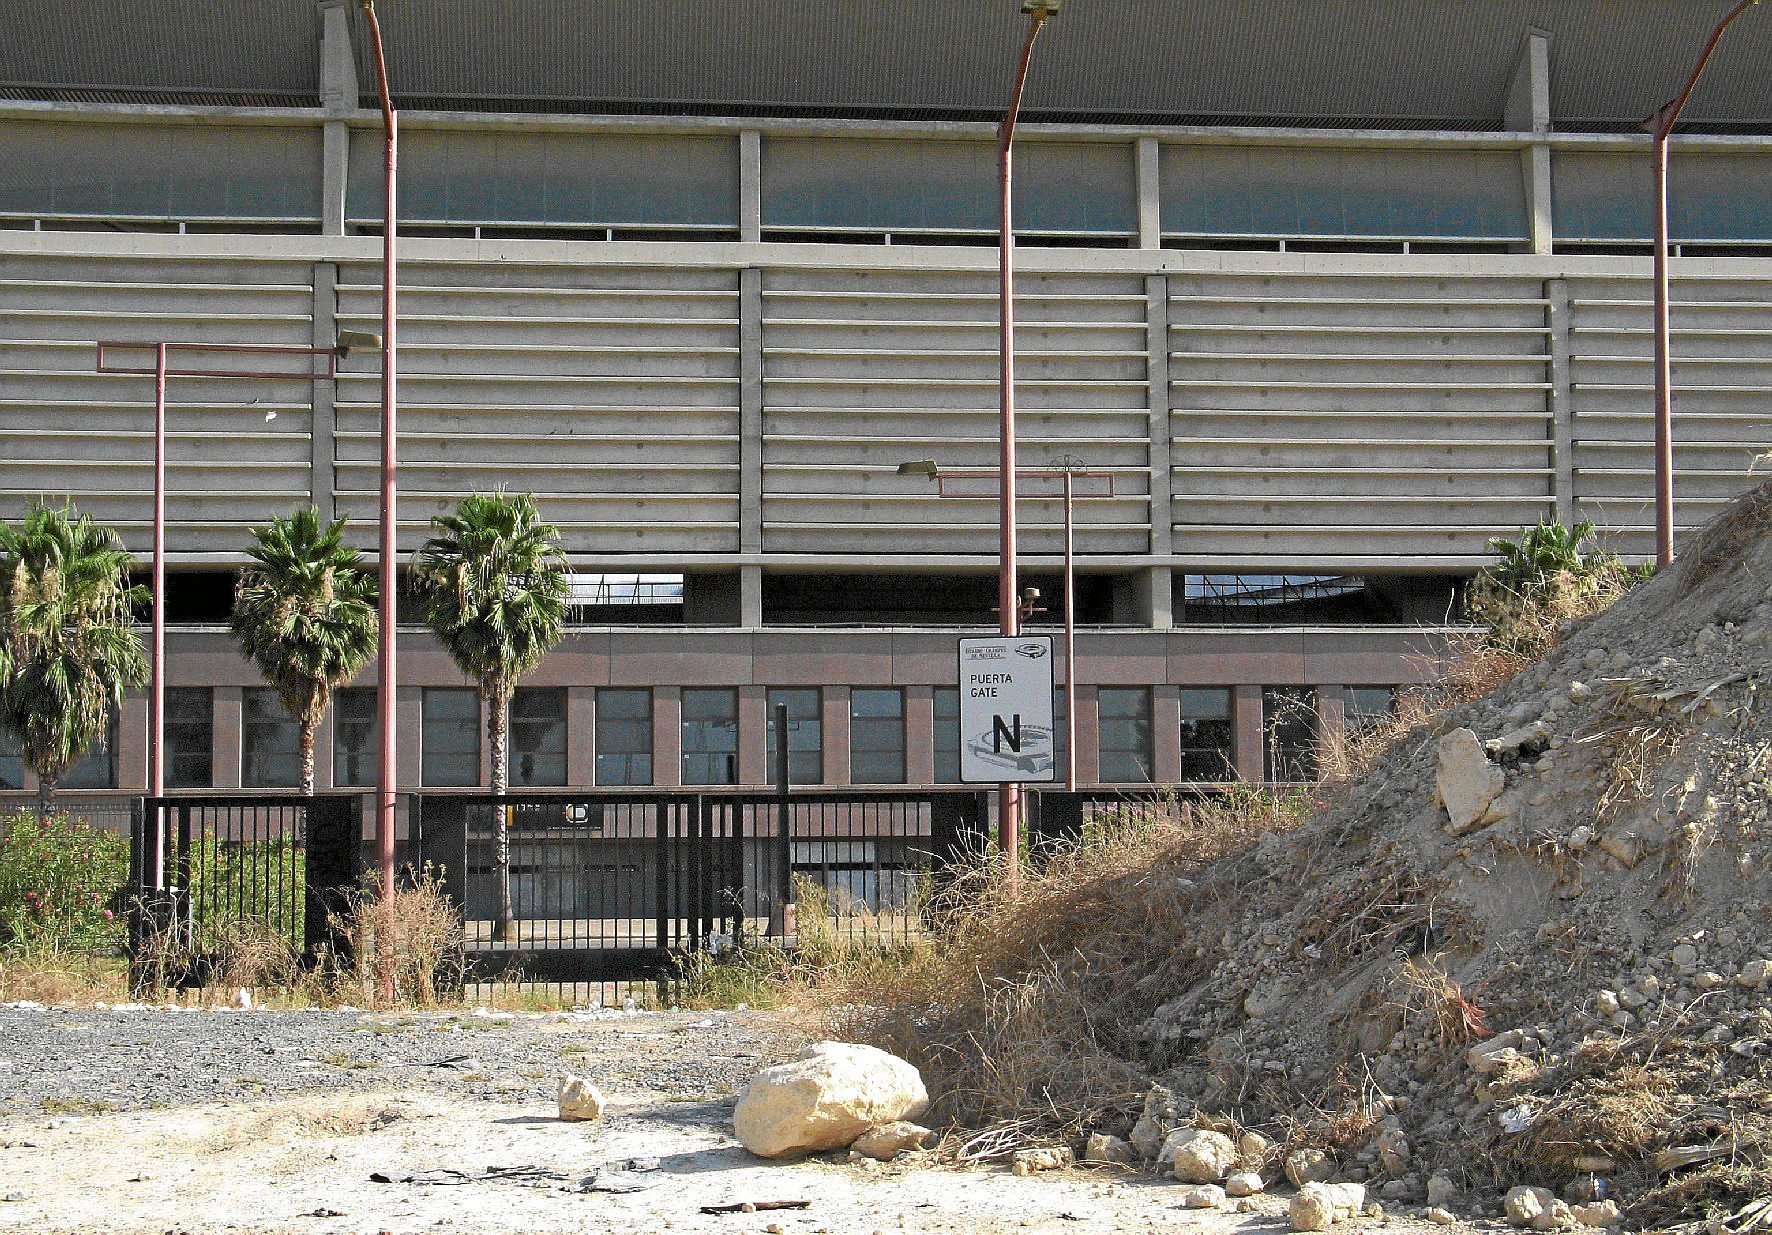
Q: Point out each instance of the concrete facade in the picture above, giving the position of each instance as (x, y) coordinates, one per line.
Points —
(706, 341)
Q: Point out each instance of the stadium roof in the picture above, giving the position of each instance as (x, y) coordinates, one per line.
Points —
(1365, 63)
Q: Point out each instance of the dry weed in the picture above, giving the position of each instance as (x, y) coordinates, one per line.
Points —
(417, 935)
(1425, 996)
(62, 978)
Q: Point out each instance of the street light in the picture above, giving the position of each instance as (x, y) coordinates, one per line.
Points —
(1066, 469)
(1661, 126)
(345, 342)
(385, 662)
(1009, 793)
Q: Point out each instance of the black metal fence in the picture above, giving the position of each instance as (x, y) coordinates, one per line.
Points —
(209, 872)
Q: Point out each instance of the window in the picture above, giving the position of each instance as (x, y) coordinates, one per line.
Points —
(1366, 707)
(12, 761)
(1124, 723)
(270, 742)
(354, 738)
(538, 736)
(876, 736)
(1208, 742)
(710, 737)
(624, 737)
(805, 735)
(1289, 726)
(450, 743)
(190, 738)
(947, 735)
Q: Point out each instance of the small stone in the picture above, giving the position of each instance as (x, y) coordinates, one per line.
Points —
(1684, 955)
(1599, 1213)
(1307, 1166)
(1243, 1183)
(1318, 1206)
(1033, 1161)
(1254, 1148)
(1709, 980)
(243, 999)
(1440, 1216)
(1755, 974)
(1441, 1191)
(1606, 1002)
(579, 1099)
(1106, 1150)
(886, 1142)
(1525, 1206)
(1203, 1196)
(1200, 1156)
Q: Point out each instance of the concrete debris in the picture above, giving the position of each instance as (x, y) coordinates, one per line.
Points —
(1468, 783)
(1200, 1156)
(889, 1140)
(1308, 1166)
(1034, 1161)
(1244, 1183)
(826, 1099)
(1202, 1196)
(1105, 1150)
(1318, 1206)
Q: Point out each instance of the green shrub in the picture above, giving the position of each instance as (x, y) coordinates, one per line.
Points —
(1543, 584)
(62, 885)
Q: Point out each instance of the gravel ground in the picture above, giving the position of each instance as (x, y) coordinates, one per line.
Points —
(133, 1058)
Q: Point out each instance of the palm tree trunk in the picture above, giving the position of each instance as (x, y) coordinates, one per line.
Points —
(307, 758)
(498, 705)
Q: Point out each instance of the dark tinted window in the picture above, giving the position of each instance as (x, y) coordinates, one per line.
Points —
(876, 736)
(450, 743)
(710, 737)
(270, 742)
(1208, 736)
(805, 735)
(624, 737)
(190, 737)
(538, 736)
(1124, 723)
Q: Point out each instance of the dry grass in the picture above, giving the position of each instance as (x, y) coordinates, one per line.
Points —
(1020, 1009)
(1424, 995)
(1726, 542)
(62, 978)
(417, 934)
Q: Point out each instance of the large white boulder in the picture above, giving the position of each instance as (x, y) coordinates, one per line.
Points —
(1200, 1155)
(826, 1099)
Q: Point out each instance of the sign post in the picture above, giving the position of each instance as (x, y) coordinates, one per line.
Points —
(1006, 710)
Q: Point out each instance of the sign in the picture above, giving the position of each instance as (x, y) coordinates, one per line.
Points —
(1006, 710)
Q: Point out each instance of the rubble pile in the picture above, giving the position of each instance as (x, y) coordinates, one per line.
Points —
(1524, 967)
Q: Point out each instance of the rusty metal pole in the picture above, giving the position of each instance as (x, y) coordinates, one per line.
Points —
(157, 688)
(386, 679)
(1008, 601)
(1070, 642)
(1661, 127)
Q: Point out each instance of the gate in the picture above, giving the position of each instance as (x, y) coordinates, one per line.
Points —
(610, 885)
(205, 870)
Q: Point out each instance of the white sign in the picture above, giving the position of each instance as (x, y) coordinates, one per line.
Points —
(1006, 710)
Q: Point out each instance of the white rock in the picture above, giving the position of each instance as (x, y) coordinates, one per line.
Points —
(1441, 1216)
(1033, 1161)
(1755, 974)
(1489, 1055)
(243, 999)
(826, 1099)
(1308, 1166)
(1441, 1191)
(1108, 1150)
(1606, 1002)
(1254, 1148)
(886, 1142)
(1468, 783)
(1599, 1213)
(1319, 1206)
(1243, 1183)
(1203, 1196)
(1200, 1156)
(579, 1099)
(1709, 980)
(1524, 1205)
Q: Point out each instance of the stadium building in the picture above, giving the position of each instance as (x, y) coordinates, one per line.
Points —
(1337, 292)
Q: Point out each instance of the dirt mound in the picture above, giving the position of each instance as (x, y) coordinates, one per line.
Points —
(1533, 945)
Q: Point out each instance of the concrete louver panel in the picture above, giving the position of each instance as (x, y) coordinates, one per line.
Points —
(610, 393)
(864, 369)
(77, 435)
(1377, 417)
(1722, 377)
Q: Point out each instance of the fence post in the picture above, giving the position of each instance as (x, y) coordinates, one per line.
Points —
(662, 815)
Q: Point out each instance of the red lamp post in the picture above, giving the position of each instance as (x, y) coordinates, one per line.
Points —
(1661, 126)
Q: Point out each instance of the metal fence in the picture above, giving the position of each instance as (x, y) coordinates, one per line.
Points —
(210, 873)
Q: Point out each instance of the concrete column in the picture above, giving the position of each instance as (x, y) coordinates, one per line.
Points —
(1153, 597)
(753, 735)
(750, 597)
(1165, 734)
(338, 94)
(1246, 717)
(1526, 108)
(324, 401)
(1561, 400)
(750, 411)
(224, 737)
(581, 736)
(1083, 698)
(1150, 194)
(132, 743)
(335, 175)
(667, 737)
(835, 701)
(1159, 610)
(409, 719)
(750, 186)
(919, 735)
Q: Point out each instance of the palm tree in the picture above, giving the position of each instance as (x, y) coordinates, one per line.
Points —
(305, 616)
(493, 584)
(68, 644)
